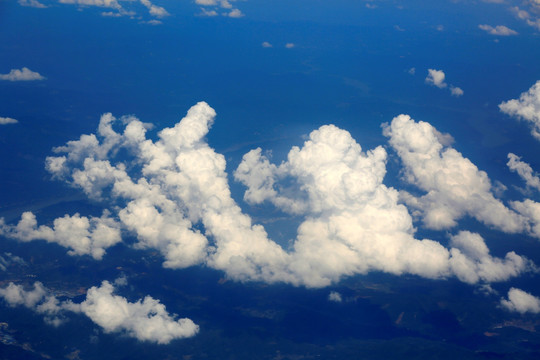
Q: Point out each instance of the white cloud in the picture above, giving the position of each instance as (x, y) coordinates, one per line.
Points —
(436, 78)
(145, 320)
(521, 301)
(206, 2)
(528, 16)
(352, 223)
(499, 30)
(154, 10)
(412, 71)
(531, 211)
(454, 186)
(455, 91)
(266, 44)
(205, 12)
(289, 45)
(32, 3)
(82, 235)
(335, 297)
(471, 261)
(225, 4)
(524, 170)
(100, 3)
(24, 74)
(235, 13)
(527, 107)
(7, 120)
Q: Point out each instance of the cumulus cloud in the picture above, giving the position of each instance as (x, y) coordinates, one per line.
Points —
(145, 320)
(499, 30)
(527, 108)
(454, 186)
(206, 2)
(289, 45)
(472, 263)
(82, 235)
(436, 78)
(521, 301)
(266, 44)
(530, 16)
(24, 74)
(205, 12)
(524, 171)
(177, 185)
(7, 120)
(531, 211)
(235, 13)
(154, 10)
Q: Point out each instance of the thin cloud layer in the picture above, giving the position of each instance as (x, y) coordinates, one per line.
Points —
(7, 120)
(521, 301)
(527, 108)
(24, 74)
(499, 30)
(352, 224)
(145, 320)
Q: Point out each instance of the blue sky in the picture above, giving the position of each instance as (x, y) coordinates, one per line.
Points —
(298, 144)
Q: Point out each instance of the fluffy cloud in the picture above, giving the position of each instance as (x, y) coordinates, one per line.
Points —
(82, 235)
(145, 320)
(437, 78)
(499, 30)
(531, 211)
(521, 301)
(206, 2)
(454, 186)
(24, 74)
(154, 10)
(527, 108)
(471, 261)
(352, 224)
(524, 170)
(266, 44)
(7, 120)
(235, 13)
(289, 45)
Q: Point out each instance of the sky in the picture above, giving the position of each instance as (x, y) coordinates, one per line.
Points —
(323, 179)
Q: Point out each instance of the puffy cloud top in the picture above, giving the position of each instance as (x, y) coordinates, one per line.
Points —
(527, 108)
(24, 74)
(521, 301)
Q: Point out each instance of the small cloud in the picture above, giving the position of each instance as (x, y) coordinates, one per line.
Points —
(398, 28)
(436, 78)
(154, 10)
(335, 297)
(412, 71)
(32, 3)
(235, 13)
(499, 30)
(527, 107)
(153, 22)
(521, 301)
(371, 6)
(440, 28)
(7, 120)
(266, 44)
(24, 74)
(456, 91)
(289, 45)
(206, 2)
(225, 4)
(208, 13)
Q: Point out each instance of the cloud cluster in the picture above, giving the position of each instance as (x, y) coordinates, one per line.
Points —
(24, 74)
(217, 7)
(454, 186)
(499, 30)
(437, 78)
(527, 108)
(32, 3)
(165, 191)
(145, 320)
(521, 301)
(82, 235)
